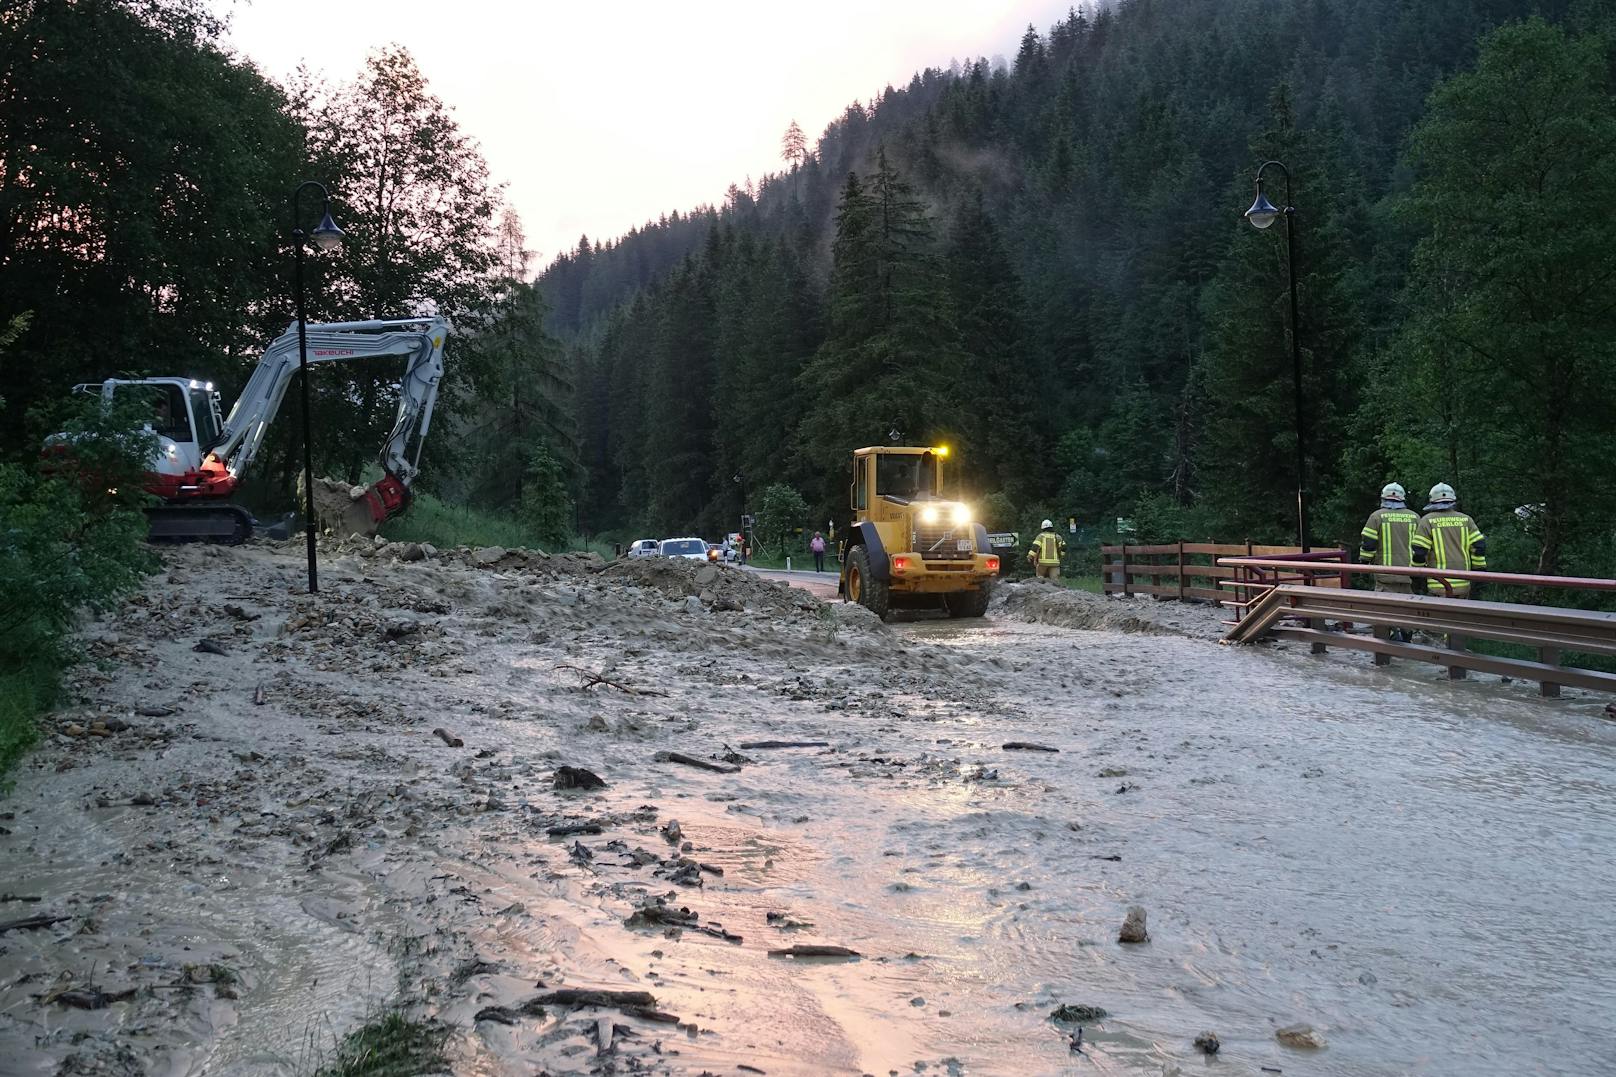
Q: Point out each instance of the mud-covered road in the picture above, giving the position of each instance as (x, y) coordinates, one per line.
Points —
(264, 842)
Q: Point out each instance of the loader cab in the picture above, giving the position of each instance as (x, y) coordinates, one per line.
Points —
(886, 479)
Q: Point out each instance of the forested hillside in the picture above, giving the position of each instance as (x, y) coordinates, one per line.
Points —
(1046, 265)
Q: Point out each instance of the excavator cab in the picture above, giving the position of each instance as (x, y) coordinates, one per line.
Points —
(909, 546)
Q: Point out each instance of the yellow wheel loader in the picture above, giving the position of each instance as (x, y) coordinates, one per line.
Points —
(909, 547)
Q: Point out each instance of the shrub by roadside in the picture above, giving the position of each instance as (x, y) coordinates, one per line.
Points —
(72, 538)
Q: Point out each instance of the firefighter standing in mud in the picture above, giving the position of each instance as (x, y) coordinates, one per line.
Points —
(1047, 550)
(1447, 538)
(1388, 538)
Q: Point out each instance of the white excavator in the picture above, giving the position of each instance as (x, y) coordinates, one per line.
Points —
(201, 456)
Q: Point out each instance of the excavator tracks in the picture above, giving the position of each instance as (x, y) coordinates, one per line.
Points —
(227, 524)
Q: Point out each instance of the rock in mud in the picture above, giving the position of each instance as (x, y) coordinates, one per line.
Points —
(412, 552)
(577, 778)
(1133, 927)
(1207, 1043)
(660, 915)
(448, 738)
(209, 646)
(1302, 1037)
(488, 555)
(1079, 1015)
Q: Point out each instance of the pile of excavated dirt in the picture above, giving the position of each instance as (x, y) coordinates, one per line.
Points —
(339, 507)
(1043, 602)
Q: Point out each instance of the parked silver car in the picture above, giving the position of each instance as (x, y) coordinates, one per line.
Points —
(692, 548)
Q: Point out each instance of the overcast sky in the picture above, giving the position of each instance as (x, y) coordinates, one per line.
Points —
(598, 115)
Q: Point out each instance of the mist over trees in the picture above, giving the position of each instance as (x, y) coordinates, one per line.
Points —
(1045, 264)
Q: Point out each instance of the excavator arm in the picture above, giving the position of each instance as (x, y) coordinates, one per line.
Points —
(419, 341)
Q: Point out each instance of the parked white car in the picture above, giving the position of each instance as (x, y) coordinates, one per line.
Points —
(645, 548)
(693, 548)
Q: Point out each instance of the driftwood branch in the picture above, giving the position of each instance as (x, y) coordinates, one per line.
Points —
(588, 679)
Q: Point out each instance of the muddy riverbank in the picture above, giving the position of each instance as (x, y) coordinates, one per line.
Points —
(266, 840)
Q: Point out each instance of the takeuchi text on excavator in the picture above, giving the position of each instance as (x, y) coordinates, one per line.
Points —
(910, 546)
(202, 455)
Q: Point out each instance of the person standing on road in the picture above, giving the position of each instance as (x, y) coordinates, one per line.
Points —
(1447, 538)
(817, 545)
(1047, 550)
(1388, 536)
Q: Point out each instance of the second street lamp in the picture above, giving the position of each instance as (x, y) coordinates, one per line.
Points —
(1262, 214)
(325, 237)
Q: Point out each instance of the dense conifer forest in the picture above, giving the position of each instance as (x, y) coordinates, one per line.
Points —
(1040, 261)
(1043, 263)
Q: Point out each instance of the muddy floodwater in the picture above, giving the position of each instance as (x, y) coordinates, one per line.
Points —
(260, 849)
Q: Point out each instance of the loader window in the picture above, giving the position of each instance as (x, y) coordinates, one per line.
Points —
(906, 476)
(861, 485)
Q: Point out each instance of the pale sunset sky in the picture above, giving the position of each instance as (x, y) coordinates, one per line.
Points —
(600, 116)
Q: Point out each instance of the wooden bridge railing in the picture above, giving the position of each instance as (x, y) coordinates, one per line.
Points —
(1189, 570)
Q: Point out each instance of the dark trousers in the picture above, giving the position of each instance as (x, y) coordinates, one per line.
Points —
(819, 560)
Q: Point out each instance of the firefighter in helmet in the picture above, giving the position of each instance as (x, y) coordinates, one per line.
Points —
(1047, 550)
(1448, 538)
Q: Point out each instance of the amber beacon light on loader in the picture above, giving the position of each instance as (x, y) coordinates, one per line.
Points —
(909, 547)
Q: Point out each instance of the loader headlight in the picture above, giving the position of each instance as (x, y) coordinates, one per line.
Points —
(928, 515)
(962, 515)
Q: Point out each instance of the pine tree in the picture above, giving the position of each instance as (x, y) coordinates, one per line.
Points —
(891, 359)
(1246, 370)
(793, 146)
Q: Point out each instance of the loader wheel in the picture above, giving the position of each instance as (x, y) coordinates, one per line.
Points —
(968, 603)
(863, 587)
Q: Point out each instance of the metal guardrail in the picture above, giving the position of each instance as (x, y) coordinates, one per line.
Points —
(1549, 630)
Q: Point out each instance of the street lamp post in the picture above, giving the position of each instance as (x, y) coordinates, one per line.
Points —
(326, 237)
(1262, 214)
(740, 480)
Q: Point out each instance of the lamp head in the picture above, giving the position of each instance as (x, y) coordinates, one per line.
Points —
(326, 235)
(1262, 212)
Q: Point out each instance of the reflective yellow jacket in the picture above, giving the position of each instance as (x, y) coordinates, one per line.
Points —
(1447, 538)
(1047, 548)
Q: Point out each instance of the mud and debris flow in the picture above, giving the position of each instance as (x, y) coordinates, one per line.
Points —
(403, 788)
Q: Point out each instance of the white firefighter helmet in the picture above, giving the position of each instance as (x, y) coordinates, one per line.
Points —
(1048, 525)
(1393, 491)
(1442, 492)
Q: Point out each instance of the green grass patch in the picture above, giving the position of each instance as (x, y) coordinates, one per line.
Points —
(429, 519)
(25, 694)
(389, 1045)
(1092, 584)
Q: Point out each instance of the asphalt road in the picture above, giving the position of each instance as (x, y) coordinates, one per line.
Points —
(819, 584)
